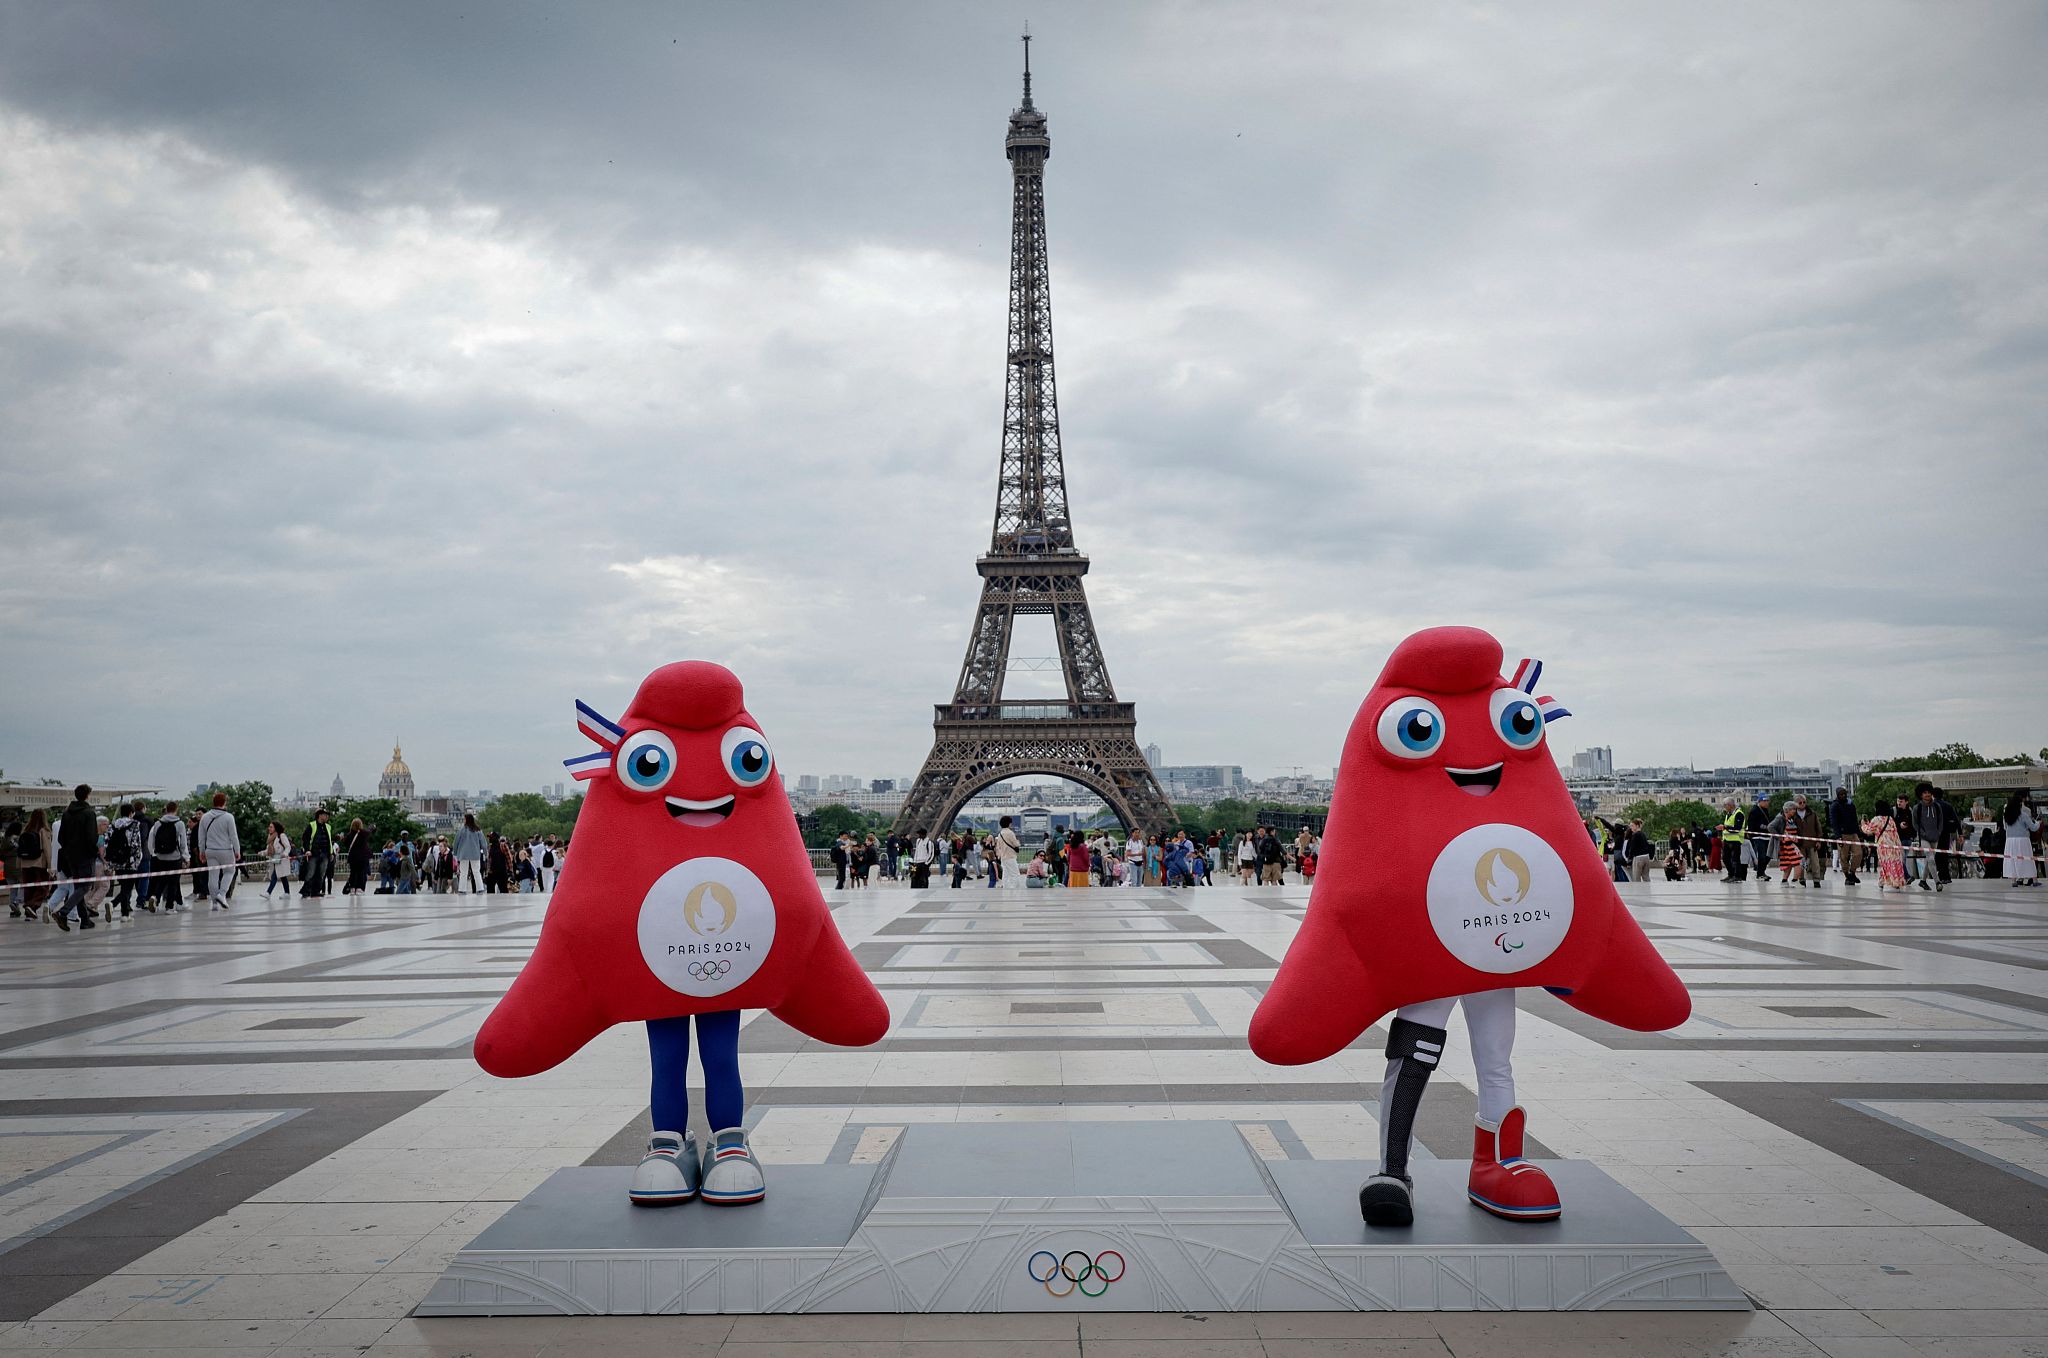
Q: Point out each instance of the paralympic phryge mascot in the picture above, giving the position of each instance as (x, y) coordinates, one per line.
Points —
(689, 896)
(1455, 868)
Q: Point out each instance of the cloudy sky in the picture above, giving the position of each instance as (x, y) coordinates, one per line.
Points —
(408, 370)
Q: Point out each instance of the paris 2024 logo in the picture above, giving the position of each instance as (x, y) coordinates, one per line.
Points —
(1499, 899)
(706, 926)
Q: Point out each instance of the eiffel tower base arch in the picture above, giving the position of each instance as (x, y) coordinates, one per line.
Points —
(969, 754)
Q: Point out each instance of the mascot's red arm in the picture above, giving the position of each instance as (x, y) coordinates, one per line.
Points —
(1631, 985)
(1321, 999)
(545, 1018)
(840, 1005)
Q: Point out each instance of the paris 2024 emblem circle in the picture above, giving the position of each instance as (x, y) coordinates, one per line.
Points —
(706, 926)
(1500, 899)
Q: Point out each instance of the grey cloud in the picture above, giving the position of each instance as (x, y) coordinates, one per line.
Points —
(347, 350)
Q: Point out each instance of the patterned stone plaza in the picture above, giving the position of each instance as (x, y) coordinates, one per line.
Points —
(261, 1133)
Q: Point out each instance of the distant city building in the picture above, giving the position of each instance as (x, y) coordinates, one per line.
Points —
(882, 785)
(807, 782)
(1616, 792)
(1597, 762)
(337, 790)
(1153, 756)
(396, 784)
(841, 782)
(1182, 780)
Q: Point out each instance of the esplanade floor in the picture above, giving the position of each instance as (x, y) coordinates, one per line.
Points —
(260, 1132)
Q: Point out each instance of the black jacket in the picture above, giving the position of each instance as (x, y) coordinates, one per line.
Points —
(78, 840)
(1843, 823)
(1639, 845)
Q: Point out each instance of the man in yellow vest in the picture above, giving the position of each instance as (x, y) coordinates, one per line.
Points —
(1731, 842)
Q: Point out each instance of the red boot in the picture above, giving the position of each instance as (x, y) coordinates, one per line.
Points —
(1505, 1184)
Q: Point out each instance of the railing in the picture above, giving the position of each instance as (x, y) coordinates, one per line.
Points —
(1036, 710)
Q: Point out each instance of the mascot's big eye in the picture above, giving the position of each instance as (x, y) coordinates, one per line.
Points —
(1517, 719)
(646, 760)
(747, 757)
(1411, 728)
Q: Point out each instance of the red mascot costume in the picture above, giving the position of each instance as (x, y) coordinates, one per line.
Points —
(689, 897)
(1454, 869)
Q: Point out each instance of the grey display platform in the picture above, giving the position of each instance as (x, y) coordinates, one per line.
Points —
(1151, 1216)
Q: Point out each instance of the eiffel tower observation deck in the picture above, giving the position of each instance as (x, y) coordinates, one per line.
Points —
(1032, 567)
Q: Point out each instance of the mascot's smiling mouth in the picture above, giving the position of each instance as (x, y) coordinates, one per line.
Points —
(699, 813)
(1478, 782)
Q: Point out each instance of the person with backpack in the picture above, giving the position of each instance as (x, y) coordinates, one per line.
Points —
(167, 857)
(124, 857)
(549, 862)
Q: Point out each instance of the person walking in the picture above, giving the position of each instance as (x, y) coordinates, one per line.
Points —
(125, 858)
(469, 855)
(1934, 823)
(1762, 827)
(277, 847)
(842, 859)
(1247, 857)
(1813, 851)
(1272, 859)
(167, 854)
(923, 852)
(497, 865)
(1891, 855)
(1007, 845)
(1845, 825)
(1638, 850)
(356, 845)
(220, 848)
(77, 846)
(2017, 819)
(319, 854)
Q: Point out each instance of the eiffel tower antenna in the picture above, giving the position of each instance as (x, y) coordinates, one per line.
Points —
(1032, 568)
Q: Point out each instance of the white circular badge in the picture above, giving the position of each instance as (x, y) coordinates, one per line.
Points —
(1500, 898)
(706, 926)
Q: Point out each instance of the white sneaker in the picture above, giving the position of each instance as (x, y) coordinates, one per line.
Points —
(731, 1173)
(668, 1173)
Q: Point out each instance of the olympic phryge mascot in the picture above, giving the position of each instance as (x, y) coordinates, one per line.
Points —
(689, 896)
(1454, 869)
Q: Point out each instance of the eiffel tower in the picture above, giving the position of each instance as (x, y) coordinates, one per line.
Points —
(1032, 567)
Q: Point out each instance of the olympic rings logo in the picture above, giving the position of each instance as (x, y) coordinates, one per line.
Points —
(1077, 1276)
(710, 970)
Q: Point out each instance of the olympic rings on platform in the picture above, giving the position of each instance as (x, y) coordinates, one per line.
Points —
(1076, 1276)
(709, 971)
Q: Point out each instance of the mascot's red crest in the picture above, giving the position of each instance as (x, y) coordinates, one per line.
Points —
(687, 888)
(1454, 861)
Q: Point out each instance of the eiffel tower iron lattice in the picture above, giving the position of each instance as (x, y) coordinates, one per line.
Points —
(1033, 568)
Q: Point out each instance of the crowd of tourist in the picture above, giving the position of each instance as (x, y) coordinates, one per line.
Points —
(1920, 840)
(1000, 858)
(86, 866)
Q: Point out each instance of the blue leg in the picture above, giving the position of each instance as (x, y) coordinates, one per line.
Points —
(718, 1047)
(668, 1046)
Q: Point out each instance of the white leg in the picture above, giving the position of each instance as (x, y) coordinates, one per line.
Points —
(1490, 1023)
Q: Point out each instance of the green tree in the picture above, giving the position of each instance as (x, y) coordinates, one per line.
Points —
(384, 818)
(253, 810)
(828, 822)
(1661, 818)
(1876, 790)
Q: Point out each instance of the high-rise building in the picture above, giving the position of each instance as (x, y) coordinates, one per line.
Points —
(807, 782)
(1153, 756)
